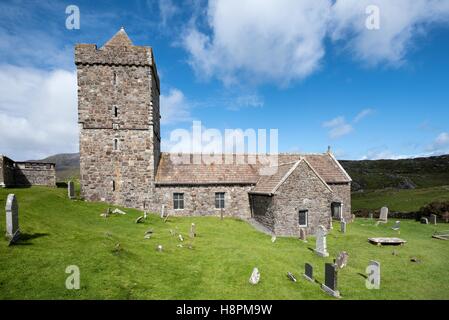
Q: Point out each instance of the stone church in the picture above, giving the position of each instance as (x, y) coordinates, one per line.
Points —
(121, 161)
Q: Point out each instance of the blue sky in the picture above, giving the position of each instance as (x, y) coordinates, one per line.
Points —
(310, 69)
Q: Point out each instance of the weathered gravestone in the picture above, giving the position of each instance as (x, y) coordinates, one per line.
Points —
(273, 239)
(383, 214)
(71, 190)
(255, 276)
(321, 245)
(373, 273)
(163, 211)
(192, 230)
(330, 280)
(291, 276)
(396, 226)
(370, 215)
(342, 226)
(308, 272)
(424, 221)
(12, 218)
(433, 219)
(342, 260)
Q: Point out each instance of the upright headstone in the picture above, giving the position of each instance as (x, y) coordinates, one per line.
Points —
(330, 280)
(308, 272)
(255, 276)
(433, 219)
(370, 215)
(343, 226)
(383, 214)
(373, 272)
(396, 226)
(71, 190)
(163, 211)
(321, 245)
(12, 218)
(273, 239)
(192, 230)
(342, 260)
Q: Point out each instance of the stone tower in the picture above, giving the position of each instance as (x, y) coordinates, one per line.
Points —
(119, 121)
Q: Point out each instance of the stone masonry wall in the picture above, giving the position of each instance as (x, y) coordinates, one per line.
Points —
(122, 78)
(302, 190)
(200, 200)
(263, 210)
(6, 172)
(34, 174)
(342, 193)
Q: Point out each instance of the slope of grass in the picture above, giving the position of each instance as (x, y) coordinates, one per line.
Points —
(410, 200)
(58, 232)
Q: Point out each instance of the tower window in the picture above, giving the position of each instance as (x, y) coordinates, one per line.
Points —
(115, 111)
(113, 185)
(115, 144)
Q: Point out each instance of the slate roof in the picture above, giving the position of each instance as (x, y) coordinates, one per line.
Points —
(120, 39)
(196, 172)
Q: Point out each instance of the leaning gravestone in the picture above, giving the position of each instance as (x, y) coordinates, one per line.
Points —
(291, 276)
(321, 245)
(433, 219)
(330, 280)
(343, 226)
(342, 260)
(424, 221)
(255, 276)
(12, 218)
(71, 190)
(308, 272)
(383, 214)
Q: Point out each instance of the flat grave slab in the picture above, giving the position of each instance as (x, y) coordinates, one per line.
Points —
(387, 241)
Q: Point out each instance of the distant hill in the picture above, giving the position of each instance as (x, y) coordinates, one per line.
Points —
(366, 174)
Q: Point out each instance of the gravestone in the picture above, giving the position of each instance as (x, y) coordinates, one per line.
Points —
(373, 271)
(159, 248)
(145, 215)
(303, 234)
(342, 260)
(424, 221)
(433, 219)
(139, 219)
(273, 239)
(383, 214)
(291, 276)
(163, 211)
(255, 276)
(330, 280)
(180, 237)
(396, 226)
(71, 190)
(192, 230)
(370, 215)
(343, 226)
(308, 272)
(12, 218)
(321, 245)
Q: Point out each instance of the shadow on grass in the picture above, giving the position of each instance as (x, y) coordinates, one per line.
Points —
(25, 237)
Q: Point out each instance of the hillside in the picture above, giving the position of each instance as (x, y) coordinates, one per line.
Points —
(366, 174)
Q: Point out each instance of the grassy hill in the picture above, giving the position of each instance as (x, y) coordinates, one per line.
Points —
(116, 262)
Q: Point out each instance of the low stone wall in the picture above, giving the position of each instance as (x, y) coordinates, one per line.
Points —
(6, 172)
(34, 173)
(392, 215)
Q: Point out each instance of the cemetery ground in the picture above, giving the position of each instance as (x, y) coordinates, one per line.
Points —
(116, 262)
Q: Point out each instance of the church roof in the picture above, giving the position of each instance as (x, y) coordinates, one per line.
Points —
(193, 171)
(120, 39)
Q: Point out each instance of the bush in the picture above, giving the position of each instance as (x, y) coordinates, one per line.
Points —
(440, 208)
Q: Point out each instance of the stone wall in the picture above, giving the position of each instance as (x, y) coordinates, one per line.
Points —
(34, 174)
(342, 193)
(262, 210)
(200, 200)
(302, 190)
(6, 172)
(118, 103)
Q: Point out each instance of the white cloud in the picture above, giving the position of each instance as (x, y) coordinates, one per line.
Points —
(38, 112)
(278, 40)
(384, 154)
(283, 40)
(167, 10)
(400, 22)
(174, 107)
(440, 145)
(363, 114)
(338, 127)
(246, 101)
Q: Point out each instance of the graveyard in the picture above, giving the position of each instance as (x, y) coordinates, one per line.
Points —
(117, 261)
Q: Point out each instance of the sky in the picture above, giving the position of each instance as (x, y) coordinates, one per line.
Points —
(368, 78)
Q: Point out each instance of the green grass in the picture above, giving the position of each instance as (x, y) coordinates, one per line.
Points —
(58, 232)
(409, 200)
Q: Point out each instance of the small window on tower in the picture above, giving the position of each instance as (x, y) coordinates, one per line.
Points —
(115, 78)
(115, 111)
(115, 144)
(113, 185)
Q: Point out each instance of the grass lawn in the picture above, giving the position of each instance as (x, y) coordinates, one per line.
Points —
(399, 200)
(58, 232)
